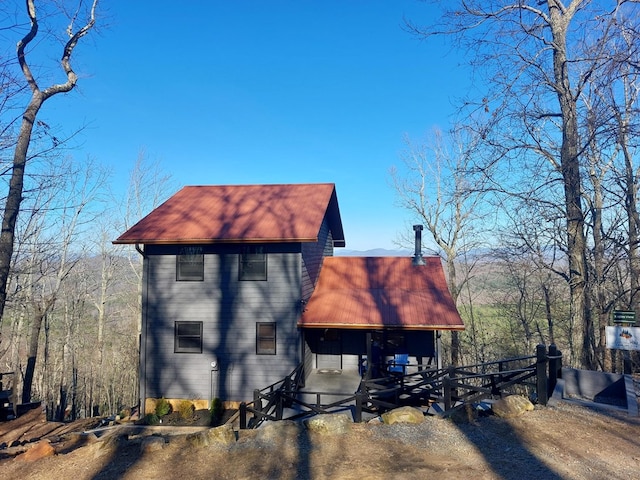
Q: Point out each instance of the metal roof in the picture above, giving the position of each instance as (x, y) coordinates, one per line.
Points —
(241, 213)
(381, 292)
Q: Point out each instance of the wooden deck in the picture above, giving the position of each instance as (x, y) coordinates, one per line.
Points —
(333, 381)
(326, 386)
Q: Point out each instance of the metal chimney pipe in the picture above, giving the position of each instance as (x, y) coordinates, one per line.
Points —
(417, 256)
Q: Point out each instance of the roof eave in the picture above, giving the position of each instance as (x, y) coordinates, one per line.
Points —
(347, 326)
(209, 241)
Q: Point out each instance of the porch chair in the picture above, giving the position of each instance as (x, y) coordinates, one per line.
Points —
(399, 363)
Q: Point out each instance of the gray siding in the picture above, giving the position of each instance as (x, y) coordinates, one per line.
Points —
(312, 255)
(229, 310)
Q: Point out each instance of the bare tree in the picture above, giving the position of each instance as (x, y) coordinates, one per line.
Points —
(618, 93)
(531, 265)
(537, 58)
(435, 188)
(148, 186)
(29, 118)
(54, 248)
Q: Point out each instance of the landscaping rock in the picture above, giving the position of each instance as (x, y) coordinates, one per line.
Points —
(273, 432)
(333, 423)
(39, 450)
(223, 435)
(512, 406)
(73, 440)
(152, 444)
(403, 415)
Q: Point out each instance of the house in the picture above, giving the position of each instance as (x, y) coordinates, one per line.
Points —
(240, 286)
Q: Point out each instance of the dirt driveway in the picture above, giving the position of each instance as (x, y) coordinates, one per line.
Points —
(563, 442)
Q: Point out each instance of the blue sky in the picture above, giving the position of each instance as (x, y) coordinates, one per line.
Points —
(235, 92)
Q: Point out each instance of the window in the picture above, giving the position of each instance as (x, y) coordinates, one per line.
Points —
(190, 264)
(265, 338)
(188, 337)
(253, 264)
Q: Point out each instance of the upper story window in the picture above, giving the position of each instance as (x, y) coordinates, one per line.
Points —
(190, 264)
(253, 264)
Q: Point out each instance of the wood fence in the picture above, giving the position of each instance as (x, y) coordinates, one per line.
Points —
(449, 388)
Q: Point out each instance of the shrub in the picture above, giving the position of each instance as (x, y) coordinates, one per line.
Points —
(186, 409)
(216, 411)
(163, 407)
(151, 419)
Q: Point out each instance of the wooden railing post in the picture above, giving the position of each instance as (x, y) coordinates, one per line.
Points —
(360, 397)
(257, 401)
(555, 366)
(287, 391)
(447, 383)
(243, 416)
(541, 374)
(279, 405)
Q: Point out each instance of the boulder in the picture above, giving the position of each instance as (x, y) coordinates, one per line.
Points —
(108, 444)
(223, 435)
(271, 432)
(403, 415)
(73, 440)
(512, 406)
(152, 444)
(330, 423)
(39, 450)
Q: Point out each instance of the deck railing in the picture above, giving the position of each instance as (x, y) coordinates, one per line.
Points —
(450, 388)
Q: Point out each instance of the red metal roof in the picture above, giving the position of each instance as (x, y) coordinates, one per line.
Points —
(241, 213)
(381, 292)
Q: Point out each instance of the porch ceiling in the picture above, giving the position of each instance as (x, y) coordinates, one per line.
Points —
(381, 292)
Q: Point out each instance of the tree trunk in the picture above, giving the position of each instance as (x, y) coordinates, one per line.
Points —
(14, 197)
(570, 170)
(453, 289)
(547, 310)
(32, 355)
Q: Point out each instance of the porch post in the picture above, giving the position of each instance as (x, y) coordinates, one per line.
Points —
(369, 362)
(438, 347)
(302, 380)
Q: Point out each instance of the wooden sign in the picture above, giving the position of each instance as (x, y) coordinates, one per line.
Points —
(622, 316)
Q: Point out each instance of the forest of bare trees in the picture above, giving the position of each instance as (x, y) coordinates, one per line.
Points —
(545, 174)
(69, 314)
(531, 199)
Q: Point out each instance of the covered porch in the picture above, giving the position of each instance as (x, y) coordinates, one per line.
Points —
(366, 313)
(369, 353)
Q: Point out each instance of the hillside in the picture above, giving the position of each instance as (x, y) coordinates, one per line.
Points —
(566, 441)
